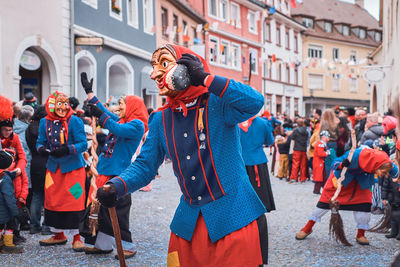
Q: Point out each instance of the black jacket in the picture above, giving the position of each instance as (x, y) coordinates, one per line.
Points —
(390, 191)
(284, 148)
(300, 137)
(38, 164)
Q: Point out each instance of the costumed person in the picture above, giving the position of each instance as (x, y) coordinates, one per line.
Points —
(320, 153)
(125, 133)
(11, 142)
(62, 137)
(30, 100)
(300, 138)
(254, 135)
(215, 222)
(355, 194)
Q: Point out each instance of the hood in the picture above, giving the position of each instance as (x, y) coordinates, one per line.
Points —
(135, 109)
(19, 126)
(376, 129)
(371, 159)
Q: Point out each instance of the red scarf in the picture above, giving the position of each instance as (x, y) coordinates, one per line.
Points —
(371, 159)
(246, 124)
(135, 109)
(267, 115)
(190, 94)
(52, 116)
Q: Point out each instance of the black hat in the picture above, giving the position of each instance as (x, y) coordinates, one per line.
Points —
(7, 123)
(5, 160)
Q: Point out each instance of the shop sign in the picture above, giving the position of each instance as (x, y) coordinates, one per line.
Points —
(30, 61)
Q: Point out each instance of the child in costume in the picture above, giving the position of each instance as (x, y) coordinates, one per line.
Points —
(320, 153)
(62, 137)
(254, 135)
(215, 222)
(125, 133)
(355, 194)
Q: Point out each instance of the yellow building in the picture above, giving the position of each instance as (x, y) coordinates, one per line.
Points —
(339, 39)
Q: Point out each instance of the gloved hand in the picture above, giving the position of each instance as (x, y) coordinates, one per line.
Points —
(60, 152)
(345, 163)
(195, 67)
(43, 151)
(95, 111)
(86, 84)
(107, 198)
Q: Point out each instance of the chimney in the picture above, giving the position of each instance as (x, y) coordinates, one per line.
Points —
(360, 3)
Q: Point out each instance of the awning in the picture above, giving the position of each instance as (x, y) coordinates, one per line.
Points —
(147, 83)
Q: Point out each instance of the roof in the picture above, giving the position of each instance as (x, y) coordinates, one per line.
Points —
(338, 12)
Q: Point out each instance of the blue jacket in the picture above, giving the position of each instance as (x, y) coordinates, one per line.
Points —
(258, 134)
(354, 171)
(8, 203)
(120, 144)
(20, 129)
(49, 137)
(206, 158)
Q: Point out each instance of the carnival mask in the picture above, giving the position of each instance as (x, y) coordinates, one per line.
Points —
(169, 76)
(62, 105)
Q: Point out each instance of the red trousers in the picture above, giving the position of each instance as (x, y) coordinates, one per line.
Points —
(299, 163)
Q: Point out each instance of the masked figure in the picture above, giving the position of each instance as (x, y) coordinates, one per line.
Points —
(62, 137)
(215, 222)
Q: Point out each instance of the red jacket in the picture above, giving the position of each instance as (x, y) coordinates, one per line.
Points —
(21, 183)
(320, 154)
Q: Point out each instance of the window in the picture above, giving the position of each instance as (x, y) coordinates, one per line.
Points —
(164, 22)
(353, 56)
(235, 14)
(224, 10)
(213, 49)
(378, 37)
(328, 27)
(236, 56)
(309, 23)
(185, 33)
(335, 54)
(287, 74)
(353, 84)
(335, 83)
(278, 35)
(176, 25)
(254, 60)
(287, 39)
(133, 18)
(147, 16)
(224, 52)
(346, 30)
(315, 81)
(278, 71)
(267, 68)
(267, 31)
(252, 22)
(287, 105)
(362, 34)
(296, 76)
(115, 9)
(92, 3)
(212, 8)
(315, 51)
(296, 43)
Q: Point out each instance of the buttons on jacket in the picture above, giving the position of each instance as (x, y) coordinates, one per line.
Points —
(193, 178)
(187, 157)
(185, 135)
(199, 198)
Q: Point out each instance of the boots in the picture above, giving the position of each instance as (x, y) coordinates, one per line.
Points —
(9, 247)
(361, 239)
(77, 244)
(57, 239)
(393, 230)
(306, 231)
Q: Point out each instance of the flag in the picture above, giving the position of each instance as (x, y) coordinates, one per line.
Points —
(199, 27)
(293, 3)
(186, 38)
(197, 41)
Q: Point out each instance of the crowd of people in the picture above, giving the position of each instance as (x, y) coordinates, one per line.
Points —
(210, 130)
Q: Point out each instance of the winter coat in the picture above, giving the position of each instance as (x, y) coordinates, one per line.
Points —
(38, 166)
(300, 136)
(390, 191)
(8, 204)
(359, 128)
(374, 132)
(313, 142)
(320, 153)
(20, 129)
(21, 182)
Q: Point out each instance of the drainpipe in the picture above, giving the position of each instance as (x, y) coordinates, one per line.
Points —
(72, 48)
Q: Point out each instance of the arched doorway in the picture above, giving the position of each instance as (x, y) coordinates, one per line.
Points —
(119, 77)
(374, 106)
(84, 62)
(35, 69)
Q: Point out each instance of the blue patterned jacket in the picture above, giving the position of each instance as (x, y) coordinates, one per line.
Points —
(206, 158)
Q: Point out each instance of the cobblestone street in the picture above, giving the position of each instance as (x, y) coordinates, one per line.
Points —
(152, 212)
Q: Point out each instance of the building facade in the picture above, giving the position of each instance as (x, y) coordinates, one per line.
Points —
(339, 39)
(37, 58)
(114, 41)
(386, 59)
(281, 57)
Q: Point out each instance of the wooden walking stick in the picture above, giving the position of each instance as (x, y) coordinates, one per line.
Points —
(117, 233)
(95, 207)
(336, 229)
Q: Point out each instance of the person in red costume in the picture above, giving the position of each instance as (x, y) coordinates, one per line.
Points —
(355, 194)
(320, 153)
